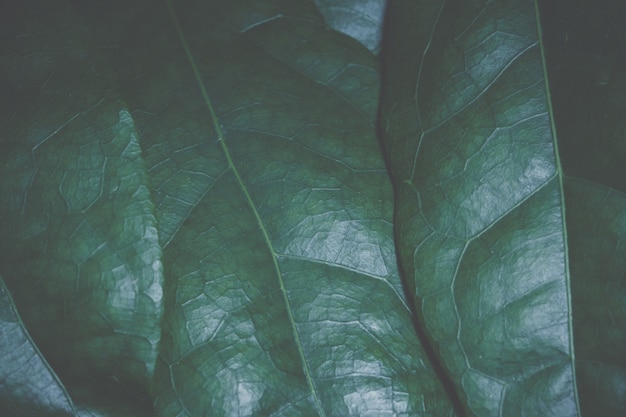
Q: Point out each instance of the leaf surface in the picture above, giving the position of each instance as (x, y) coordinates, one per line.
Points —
(78, 240)
(362, 20)
(290, 249)
(197, 220)
(37, 392)
(586, 57)
(274, 208)
(479, 215)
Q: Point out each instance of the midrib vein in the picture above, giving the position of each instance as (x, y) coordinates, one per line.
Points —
(257, 216)
(560, 175)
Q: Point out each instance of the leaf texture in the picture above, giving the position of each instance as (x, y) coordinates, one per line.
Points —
(37, 392)
(292, 241)
(479, 215)
(197, 218)
(362, 20)
(282, 295)
(78, 240)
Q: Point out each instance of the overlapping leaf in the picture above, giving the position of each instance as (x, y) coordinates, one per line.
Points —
(479, 215)
(227, 151)
(78, 240)
(36, 392)
(586, 92)
(362, 20)
(282, 295)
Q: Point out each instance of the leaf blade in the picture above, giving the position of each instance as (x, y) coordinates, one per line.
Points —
(300, 133)
(470, 143)
(232, 168)
(25, 393)
(87, 279)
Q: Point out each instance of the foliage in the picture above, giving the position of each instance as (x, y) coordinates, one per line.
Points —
(231, 209)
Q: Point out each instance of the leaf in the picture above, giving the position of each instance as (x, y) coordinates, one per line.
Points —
(37, 392)
(586, 60)
(282, 295)
(243, 183)
(78, 240)
(359, 19)
(591, 129)
(479, 215)
(597, 216)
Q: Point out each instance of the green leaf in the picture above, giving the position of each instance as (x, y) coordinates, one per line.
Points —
(197, 218)
(284, 297)
(78, 240)
(587, 67)
(586, 57)
(359, 19)
(479, 214)
(282, 294)
(597, 216)
(36, 392)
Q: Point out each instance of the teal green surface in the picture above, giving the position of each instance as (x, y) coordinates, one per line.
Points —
(208, 210)
(479, 206)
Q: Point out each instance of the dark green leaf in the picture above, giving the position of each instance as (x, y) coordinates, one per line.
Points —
(587, 68)
(586, 56)
(597, 232)
(222, 156)
(284, 297)
(78, 240)
(274, 210)
(37, 391)
(479, 215)
(361, 19)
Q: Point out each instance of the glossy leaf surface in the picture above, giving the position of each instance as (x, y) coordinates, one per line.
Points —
(197, 218)
(289, 250)
(362, 20)
(26, 393)
(479, 214)
(282, 295)
(78, 238)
